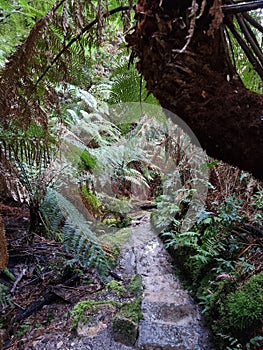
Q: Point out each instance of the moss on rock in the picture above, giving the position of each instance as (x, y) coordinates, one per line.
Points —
(116, 286)
(135, 286)
(126, 322)
(86, 311)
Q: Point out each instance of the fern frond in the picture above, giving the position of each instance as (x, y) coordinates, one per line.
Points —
(79, 240)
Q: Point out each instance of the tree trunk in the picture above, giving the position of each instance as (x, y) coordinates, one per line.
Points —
(198, 82)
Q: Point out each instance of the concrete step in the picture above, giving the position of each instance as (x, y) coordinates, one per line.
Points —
(167, 336)
(161, 283)
(179, 311)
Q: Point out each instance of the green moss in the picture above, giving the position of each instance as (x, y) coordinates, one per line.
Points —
(135, 285)
(243, 309)
(116, 240)
(125, 128)
(125, 330)
(125, 323)
(116, 286)
(88, 160)
(79, 311)
(132, 310)
(92, 202)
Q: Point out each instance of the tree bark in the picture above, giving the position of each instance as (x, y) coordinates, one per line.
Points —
(197, 81)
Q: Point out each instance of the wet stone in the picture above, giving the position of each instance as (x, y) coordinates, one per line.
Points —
(157, 335)
(125, 330)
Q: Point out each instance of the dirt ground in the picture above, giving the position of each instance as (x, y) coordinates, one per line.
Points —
(37, 299)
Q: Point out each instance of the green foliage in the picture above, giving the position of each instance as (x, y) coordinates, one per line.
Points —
(23, 329)
(243, 65)
(128, 86)
(77, 237)
(132, 310)
(243, 309)
(4, 296)
(88, 160)
(209, 256)
(91, 201)
(31, 146)
(20, 15)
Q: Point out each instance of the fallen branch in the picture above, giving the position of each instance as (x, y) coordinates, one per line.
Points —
(47, 298)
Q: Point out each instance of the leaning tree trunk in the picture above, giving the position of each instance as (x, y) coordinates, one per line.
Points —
(186, 65)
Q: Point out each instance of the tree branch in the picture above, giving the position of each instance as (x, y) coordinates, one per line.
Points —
(253, 22)
(242, 7)
(253, 60)
(77, 37)
(250, 36)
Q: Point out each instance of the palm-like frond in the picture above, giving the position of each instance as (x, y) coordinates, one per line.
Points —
(78, 239)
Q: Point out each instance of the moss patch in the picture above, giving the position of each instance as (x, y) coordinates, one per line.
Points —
(243, 309)
(83, 309)
(116, 240)
(135, 286)
(116, 286)
(132, 310)
(125, 323)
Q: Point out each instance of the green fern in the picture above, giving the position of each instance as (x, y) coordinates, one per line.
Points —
(78, 239)
(128, 86)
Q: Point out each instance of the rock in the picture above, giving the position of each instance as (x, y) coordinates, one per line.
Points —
(2, 336)
(60, 344)
(97, 317)
(87, 330)
(125, 323)
(125, 330)
(168, 336)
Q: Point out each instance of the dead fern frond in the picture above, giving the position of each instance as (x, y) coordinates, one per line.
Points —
(218, 16)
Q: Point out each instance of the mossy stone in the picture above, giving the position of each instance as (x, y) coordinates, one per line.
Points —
(125, 330)
(126, 322)
(135, 286)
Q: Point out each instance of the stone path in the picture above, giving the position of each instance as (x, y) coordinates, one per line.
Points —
(171, 319)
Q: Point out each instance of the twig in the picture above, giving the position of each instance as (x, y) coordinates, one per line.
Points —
(194, 9)
(252, 21)
(46, 299)
(20, 276)
(225, 40)
(254, 229)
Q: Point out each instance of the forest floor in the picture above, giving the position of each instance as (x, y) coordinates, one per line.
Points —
(44, 290)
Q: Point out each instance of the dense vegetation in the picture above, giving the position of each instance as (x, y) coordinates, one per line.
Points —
(80, 163)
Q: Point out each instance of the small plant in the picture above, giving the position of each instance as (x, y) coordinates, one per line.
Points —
(23, 329)
(4, 296)
(132, 309)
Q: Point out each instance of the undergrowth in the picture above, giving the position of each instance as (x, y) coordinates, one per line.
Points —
(220, 257)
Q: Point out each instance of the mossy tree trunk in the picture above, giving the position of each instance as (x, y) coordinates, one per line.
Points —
(199, 83)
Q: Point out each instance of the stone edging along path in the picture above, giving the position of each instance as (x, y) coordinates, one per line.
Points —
(171, 319)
